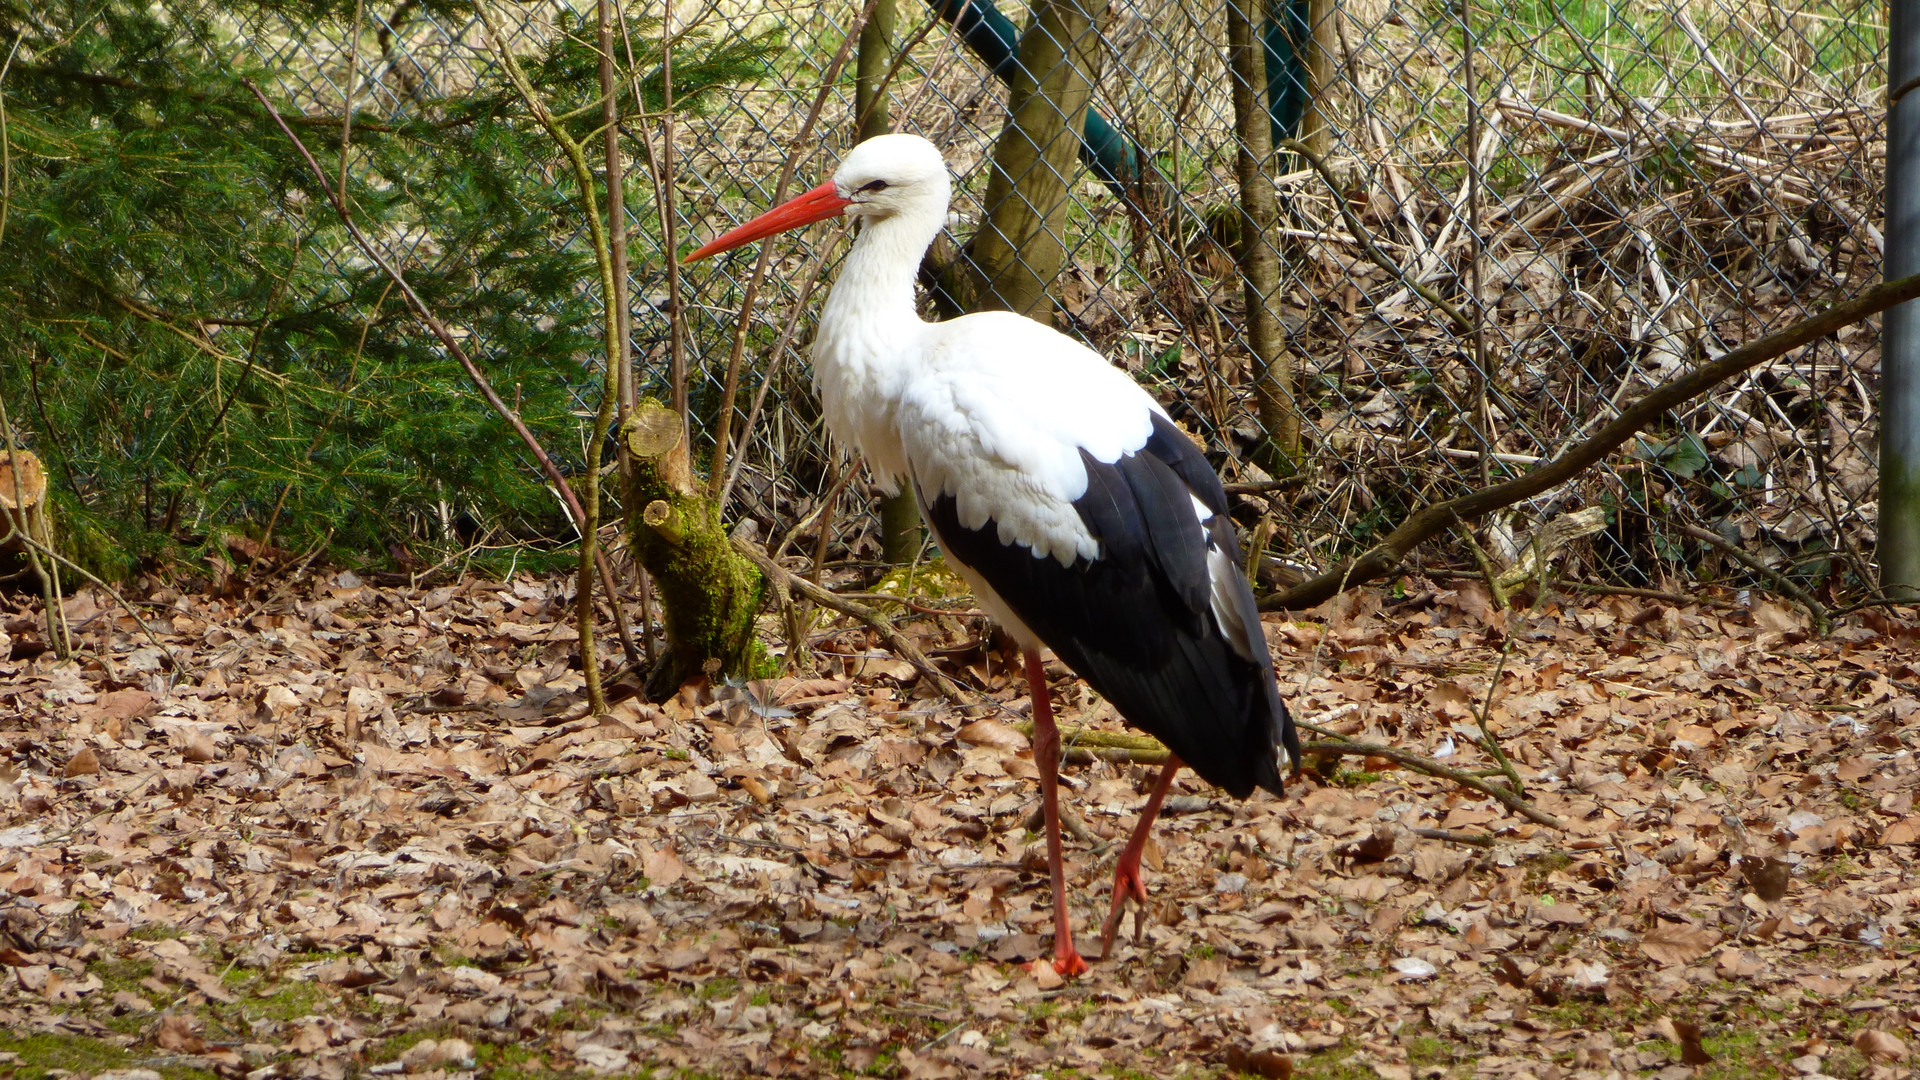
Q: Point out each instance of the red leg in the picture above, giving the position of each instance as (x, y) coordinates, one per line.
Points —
(1046, 755)
(1126, 876)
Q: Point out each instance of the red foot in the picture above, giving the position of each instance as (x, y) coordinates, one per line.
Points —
(1067, 963)
(1127, 883)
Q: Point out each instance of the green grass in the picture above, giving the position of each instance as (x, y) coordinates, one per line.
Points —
(44, 1052)
(1649, 54)
(1838, 867)
(287, 1000)
(1340, 1063)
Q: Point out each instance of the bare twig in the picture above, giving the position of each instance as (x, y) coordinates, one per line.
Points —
(723, 423)
(16, 532)
(1365, 237)
(426, 315)
(1342, 746)
(1482, 373)
(1146, 750)
(1455, 836)
(1140, 749)
(16, 518)
(6, 142)
(421, 311)
(612, 336)
(774, 359)
(620, 366)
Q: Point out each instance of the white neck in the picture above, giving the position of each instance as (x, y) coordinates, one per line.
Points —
(870, 335)
(876, 283)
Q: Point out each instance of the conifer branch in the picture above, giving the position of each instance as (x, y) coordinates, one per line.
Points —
(447, 341)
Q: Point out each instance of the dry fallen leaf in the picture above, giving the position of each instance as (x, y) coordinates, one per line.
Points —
(663, 867)
(1688, 1036)
(1768, 876)
(1904, 831)
(179, 1033)
(1265, 1063)
(197, 748)
(993, 734)
(1878, 1046)
(1678, 944)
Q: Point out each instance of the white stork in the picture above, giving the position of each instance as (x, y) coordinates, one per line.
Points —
(1084, 520)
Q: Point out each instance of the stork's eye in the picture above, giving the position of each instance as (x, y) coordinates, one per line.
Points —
(874, 185)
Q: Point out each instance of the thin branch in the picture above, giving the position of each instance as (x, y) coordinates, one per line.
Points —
(1385, 557)
(731, 389)
(590, 562)
(16, 532)
(426, 316)
(621, 366)
(1146, 750)
(57, 634)
(353, 75)
(1822, 622)
(899, 58)
(1455, 836)
(774, 359)
(827, 598)
(663, 190)
(1420, 763)
(1483, 378)
(6, 142)
(1265, 486)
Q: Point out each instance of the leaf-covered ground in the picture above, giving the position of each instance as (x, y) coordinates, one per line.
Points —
(339, 829)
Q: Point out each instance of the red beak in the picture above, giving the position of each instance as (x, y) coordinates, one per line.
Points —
(819, 204)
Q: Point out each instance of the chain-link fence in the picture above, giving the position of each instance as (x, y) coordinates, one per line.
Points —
(1608, 192)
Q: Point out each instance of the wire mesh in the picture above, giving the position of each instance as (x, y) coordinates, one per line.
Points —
(1611, 192)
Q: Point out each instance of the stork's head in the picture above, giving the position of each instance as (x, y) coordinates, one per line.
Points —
(884, 177)
(889, 174)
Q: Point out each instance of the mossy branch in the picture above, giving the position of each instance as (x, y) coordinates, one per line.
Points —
(1146, 750)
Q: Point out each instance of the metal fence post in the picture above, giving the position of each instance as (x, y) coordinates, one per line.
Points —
(1899, 544)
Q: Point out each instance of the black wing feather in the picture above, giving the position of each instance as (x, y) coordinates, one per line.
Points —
(1137, 621)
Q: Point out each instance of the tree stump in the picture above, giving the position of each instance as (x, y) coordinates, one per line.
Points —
(23, 500)
(709, 594)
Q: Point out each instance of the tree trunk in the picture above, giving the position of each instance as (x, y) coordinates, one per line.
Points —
(1021, 243)
(876, 55)
(1316, 127)
(709, 593)
(1259, 262)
